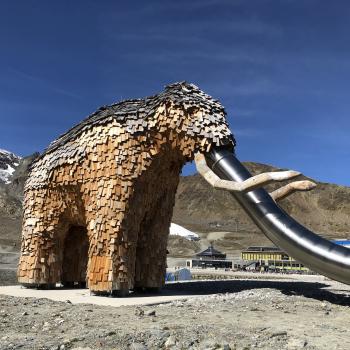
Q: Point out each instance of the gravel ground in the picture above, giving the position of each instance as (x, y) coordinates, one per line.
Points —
(253, 314)
(8, 277)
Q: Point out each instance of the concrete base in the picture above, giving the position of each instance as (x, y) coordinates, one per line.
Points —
(83, 296)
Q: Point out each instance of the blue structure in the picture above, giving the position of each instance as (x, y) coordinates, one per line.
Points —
(344, 242)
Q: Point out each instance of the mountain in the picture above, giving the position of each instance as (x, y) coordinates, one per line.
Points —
(8, 163)
(213, 214)
(13, 172)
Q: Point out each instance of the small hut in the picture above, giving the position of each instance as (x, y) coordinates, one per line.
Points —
(211, 254)
(210, 257)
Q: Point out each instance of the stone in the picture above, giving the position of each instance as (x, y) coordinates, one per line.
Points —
(110, 333)
(170, 342)
(139, 312)
(150, 313)
(279, 334)
(137, 346)
(209, 344)
(296, 343)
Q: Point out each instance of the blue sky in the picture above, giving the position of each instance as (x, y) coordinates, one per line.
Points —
(281, 69)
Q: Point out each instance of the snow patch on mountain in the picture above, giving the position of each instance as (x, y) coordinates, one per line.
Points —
(5, 174)
(177, 230)
(8, 164)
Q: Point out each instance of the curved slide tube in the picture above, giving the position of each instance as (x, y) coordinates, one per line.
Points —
(315, 252)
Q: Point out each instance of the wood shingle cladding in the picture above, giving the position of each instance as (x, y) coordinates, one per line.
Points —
(109, 184)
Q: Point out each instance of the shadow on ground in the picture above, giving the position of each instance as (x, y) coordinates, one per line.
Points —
(314, 290)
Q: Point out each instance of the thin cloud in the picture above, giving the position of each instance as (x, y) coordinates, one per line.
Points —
(258, 86)
(195, 29)
(195, 55)
(44, 83)
(158, 8)
(247, 132)
(243, 113)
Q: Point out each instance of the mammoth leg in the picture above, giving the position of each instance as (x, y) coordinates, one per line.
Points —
(152, 242)
(151, 255)
(108, 268)
(43, 225)
(111, 254)
(255, 181)
(112, 233)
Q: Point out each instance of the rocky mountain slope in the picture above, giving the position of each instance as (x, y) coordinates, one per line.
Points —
(325, 209)
(13, 172)
(8, 163)
(219, 218)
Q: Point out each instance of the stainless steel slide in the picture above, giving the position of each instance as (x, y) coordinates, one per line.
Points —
(310, 249)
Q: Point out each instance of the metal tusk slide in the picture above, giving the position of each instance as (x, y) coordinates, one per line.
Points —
(315, 252)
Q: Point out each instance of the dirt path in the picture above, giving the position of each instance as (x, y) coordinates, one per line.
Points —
(241, 314)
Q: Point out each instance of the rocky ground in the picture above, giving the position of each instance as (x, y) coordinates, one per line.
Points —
(296, 313)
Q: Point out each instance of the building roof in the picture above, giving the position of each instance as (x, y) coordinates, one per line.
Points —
(263, 249)
(211, 251)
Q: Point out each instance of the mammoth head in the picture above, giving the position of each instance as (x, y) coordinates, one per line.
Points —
(192, 120)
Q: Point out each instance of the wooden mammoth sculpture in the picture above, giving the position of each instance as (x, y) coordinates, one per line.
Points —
(98, 202)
